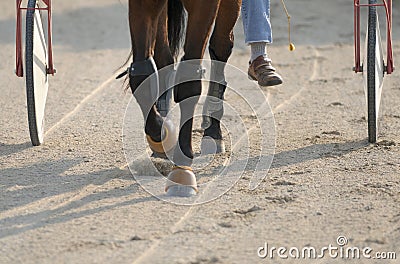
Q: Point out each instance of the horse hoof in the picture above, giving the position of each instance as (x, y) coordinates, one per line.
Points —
(181, 182)
(212, 146)
(168, 143)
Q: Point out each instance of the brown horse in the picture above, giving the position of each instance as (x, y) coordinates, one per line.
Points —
(157, 28)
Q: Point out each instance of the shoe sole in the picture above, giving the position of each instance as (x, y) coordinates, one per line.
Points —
(270, 83)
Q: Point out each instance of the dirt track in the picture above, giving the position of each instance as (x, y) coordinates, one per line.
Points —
(73, 200)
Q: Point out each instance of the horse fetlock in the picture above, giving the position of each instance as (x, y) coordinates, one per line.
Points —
(167, 140)
(183, 155)
(153, 126)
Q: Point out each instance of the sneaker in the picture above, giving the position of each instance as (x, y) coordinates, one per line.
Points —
(261, 70)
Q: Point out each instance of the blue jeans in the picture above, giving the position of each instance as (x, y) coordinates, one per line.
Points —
(256, 21)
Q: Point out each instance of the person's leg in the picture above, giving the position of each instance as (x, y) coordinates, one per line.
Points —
(256, 21)
(258, 49)
(257, 26)
(258, 33)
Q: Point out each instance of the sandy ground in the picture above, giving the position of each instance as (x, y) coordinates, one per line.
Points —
(73, 200)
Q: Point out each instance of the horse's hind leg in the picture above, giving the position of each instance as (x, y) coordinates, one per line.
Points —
(143, 18)
(163, 58)
(220, 48)
(200, 19)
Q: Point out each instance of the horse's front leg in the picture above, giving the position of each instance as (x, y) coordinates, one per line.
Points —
(143, 19)
(182, 181)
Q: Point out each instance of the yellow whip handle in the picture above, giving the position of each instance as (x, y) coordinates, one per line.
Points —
(291, 45)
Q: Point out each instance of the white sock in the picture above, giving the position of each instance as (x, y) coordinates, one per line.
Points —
(258, 49)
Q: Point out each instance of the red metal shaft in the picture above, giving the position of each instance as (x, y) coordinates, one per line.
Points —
(19, 70)
(19, 55)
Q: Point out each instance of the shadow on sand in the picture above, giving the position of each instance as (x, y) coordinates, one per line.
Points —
(44, 182)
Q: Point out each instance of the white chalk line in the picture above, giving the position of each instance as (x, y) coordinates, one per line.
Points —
(80, 104)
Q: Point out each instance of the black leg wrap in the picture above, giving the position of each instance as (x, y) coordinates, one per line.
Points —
(217, 75)
(146, 67)
(214, 105)
(164, 103)
(167, 81)
(188, 71)
(138, 73)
